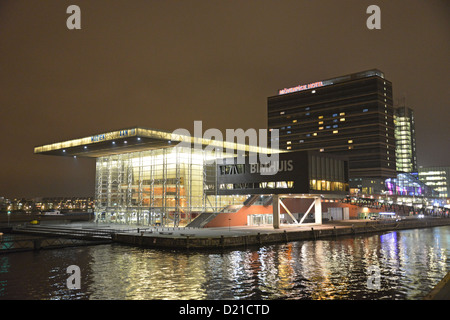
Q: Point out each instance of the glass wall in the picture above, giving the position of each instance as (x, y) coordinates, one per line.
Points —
(327, 174)
(155, 187)
(437, 178)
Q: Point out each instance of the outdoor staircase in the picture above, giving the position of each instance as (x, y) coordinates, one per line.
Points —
(202, 220)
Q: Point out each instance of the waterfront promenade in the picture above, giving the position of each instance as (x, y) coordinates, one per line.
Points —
(232, 237)
(225, 237)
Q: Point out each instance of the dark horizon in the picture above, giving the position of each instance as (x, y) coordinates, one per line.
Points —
(165, 64)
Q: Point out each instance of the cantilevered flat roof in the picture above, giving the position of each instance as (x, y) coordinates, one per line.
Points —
(132, 140)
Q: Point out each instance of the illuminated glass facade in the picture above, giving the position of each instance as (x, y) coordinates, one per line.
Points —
(437, 178)
(156, 187)
(152, 177)
(408, 185)
(405, 140)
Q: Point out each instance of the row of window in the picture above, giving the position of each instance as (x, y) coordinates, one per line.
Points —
(325, 185)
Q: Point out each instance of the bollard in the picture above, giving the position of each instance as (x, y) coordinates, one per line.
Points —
(37, 244)
(314, 234)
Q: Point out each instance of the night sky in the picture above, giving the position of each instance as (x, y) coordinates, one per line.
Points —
(163, 64)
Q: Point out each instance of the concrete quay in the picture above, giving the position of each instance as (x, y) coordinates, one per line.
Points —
(441, 291)
(234, 237)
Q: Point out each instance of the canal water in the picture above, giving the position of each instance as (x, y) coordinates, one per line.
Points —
(402, 265)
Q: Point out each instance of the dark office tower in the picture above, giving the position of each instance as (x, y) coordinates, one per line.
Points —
(405, 136)
(350, 115)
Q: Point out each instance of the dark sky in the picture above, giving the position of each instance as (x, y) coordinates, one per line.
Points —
(163, 64)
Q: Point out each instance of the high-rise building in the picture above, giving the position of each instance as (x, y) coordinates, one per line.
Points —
(405, 137)
(437, 178)
(351, 115)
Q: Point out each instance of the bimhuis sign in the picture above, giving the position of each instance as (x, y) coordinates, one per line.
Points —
(290, 176)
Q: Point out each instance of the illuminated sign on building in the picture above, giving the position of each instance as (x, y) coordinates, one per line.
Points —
(113, 135)
(301, 87)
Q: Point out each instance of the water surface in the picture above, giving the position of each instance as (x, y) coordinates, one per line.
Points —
(409, 264)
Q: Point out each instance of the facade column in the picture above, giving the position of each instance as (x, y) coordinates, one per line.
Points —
(318, 210)
(276, 211)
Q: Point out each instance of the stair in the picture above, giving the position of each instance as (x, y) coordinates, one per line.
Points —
(202, 219)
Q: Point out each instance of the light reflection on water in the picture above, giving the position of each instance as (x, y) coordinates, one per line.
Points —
(411, 262)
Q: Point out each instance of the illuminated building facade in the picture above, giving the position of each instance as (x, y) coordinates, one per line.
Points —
(146, 177)
(151, 177)
(409, 185)
(351, 115)
(437, 178)
(405, 137)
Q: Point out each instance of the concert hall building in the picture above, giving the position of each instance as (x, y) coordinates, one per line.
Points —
(153, 177)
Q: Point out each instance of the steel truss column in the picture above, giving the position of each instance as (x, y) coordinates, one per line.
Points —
(176, 217)
(98, 190)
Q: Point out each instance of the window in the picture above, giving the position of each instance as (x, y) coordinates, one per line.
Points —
(350, 141)
(320, 117)
(342, 119)
(365, 110)
(335, 131)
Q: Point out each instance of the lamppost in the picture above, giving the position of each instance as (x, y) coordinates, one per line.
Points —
(9, 213)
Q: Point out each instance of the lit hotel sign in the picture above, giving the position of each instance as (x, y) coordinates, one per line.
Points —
(301, 87)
